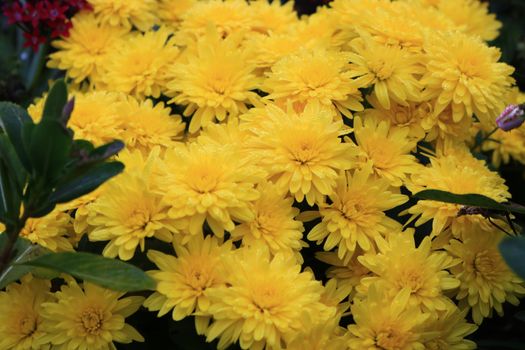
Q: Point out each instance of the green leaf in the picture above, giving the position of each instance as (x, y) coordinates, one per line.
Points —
(108, 273)
(55, 101)
(12, 120)
(10, 199)
(513, 251)
(16, 169)
(49, 149)
(25, 251)
(87, 182)
(473, 199)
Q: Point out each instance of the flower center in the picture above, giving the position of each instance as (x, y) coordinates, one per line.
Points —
(304, 152)
(28, 325)
(486, 264)
(381, 69)
(91, 320)
(139, 219)
(265, 299)
(411, 279)
(199, 278)
(389, 339)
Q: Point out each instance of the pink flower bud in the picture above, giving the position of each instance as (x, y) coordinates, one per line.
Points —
(511, 118)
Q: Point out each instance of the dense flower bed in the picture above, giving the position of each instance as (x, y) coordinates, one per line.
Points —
(252, 134)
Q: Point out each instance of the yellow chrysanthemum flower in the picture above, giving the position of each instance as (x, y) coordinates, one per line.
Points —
(472, 16)
(273, 224)
(51, 231)
(354, 215)
(349, 11)
(126, 13)
(382, 322)
(464, 73)
(450, 329)
(505, 145)
(214, 81)
(21, 314)
(210, 183)
(267, 302)
(272, 16)
(392, 71)
(171, 11)
(94, 116)
(229, 17)
(130, 211)
(314, 76)
(89, 317)
(83, 52)
(302, 153)
(486, 280)
(386, 148)
(441, 127)
(320, 337)
(146, 125)
(183, 280)
(138, 65)
(454, 170)
(399, 265)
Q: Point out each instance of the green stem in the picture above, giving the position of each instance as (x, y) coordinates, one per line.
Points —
(12, 235)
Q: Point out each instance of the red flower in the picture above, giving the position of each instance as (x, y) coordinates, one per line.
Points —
(55, 11)
(60, 28)
(14, 13)
(34, 13)
(34, 39)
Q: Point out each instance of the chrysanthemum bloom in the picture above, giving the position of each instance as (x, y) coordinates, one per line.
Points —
(464, 73)
(273, 224)
(171, 11)
(392, 71)
(20, 314)
(267, 302)
(228, 133)
(336, 295)
(506, 145)
(272, 17)
(410, 116)
(454, 170)
(472, 17)
(302, 153)
(354, 215)
(449, 329)
(138, 65)
(314, 76)
(383, 322)
(50, 231)
(323, 336)
(229, 17)
(386, 148)
(94, 117)
(486, 280)
(126, 13)
(349, 11)
(130, 211)
(214, 81)
(441, 127)
(400, 265)
(183, 280)
(210, 183)
(84, 51)
(89, 317)
(146, 125)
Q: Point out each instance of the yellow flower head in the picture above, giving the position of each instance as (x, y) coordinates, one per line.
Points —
(171, 11)
(386, 148)
(89, 317)
(320, 337)
(464, 73)
(454, 170)
(130, 211)
(83, 52)
(51, 231)
(354, 216)
(229, 17)
(210, 183)
(472, 17)
(126, 13)
(214, 81)
(383, 322)
(450, 328)
(273, 223)
(94, 116)
(146, 125)
(302, 153)
(183, 280)
(21, 314)
(486, 280)
(138, 65)
(505, 145)
(315, 76)
(393, 72)
(272, 16)
(399, 265)
(442, 127)
(267, 302)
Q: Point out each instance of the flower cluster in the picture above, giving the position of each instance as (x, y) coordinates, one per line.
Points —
(251, 134)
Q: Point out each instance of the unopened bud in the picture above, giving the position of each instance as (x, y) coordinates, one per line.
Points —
(511, 118)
